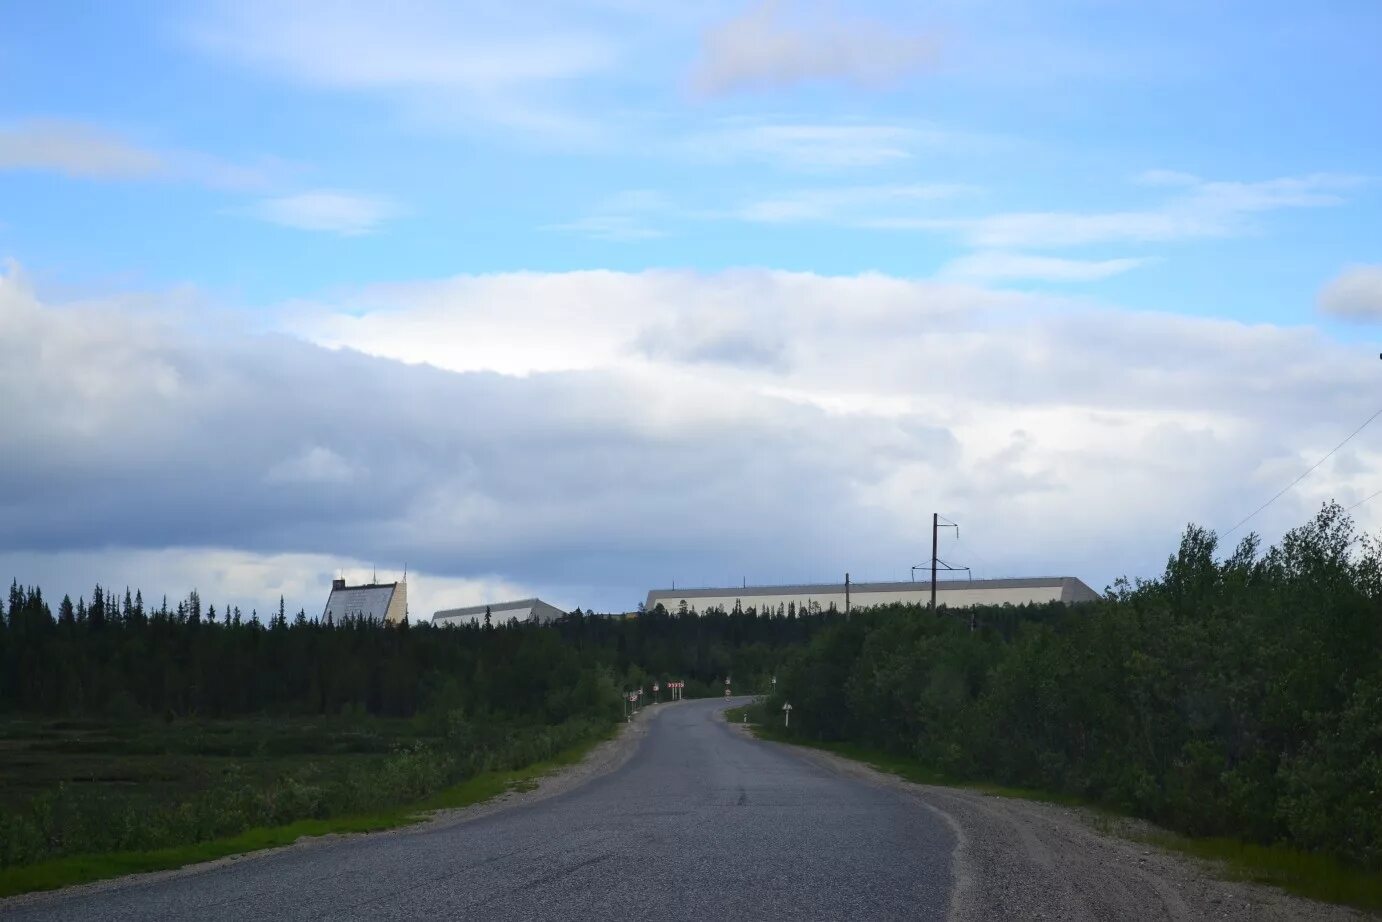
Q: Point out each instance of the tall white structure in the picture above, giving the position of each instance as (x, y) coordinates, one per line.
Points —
(824, 596)
(525, 610)
(371, 602)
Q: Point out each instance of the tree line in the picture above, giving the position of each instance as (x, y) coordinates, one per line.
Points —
(1238, 696)
(113, 654)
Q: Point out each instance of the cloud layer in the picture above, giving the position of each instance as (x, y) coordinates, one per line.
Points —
(589, 434)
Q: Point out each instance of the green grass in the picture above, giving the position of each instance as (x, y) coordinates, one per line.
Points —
(79, 869)
(1318, 877)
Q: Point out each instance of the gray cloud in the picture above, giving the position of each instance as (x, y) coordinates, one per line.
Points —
(809, 430)
(88, 151)
(1354, 294)
(760, 48)
(133, 434)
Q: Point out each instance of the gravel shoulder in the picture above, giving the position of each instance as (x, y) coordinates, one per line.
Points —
(1019, 859)
(605, 757)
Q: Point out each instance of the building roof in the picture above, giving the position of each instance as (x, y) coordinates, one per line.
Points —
(370, 601)
(535, 608)
(1072, 588)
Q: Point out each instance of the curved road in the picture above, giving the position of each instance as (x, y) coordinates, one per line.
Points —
(701, 823)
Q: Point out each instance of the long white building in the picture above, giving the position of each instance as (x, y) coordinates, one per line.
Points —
(824, 596)
(524, 610)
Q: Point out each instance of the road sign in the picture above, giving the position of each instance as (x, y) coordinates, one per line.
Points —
(786, 714)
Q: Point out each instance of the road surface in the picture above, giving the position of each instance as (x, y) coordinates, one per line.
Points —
(702, 822)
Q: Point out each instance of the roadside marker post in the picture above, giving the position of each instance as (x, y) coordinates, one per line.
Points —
(786, 715)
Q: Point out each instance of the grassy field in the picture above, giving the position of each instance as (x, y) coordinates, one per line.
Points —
(190, 791)
(161, 760)
(1314, 876)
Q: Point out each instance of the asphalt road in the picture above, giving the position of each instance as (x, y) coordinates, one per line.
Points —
(701, 823)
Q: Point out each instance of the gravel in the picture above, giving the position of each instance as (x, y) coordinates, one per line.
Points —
(1019, 859)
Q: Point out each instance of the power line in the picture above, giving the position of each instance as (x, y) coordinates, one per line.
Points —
(1362, 501)
(1311, 470)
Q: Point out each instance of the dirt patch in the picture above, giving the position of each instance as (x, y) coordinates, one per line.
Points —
(1018, 859)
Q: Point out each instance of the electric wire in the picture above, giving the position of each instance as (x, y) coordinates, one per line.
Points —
(1284, 490)
(1362, 501)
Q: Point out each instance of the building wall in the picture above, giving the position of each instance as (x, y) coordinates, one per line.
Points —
(954, 598)
(398, 605)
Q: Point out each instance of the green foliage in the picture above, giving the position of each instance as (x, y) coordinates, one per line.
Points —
(1237, 697)
(81, 868)
(71, 819)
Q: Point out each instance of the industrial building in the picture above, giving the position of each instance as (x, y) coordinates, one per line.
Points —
(841, 597)
(369, 602)
(524, 610)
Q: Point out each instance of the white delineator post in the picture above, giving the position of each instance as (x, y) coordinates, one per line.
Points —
(786, 715)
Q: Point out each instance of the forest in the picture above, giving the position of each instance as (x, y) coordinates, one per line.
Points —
(1236, 696)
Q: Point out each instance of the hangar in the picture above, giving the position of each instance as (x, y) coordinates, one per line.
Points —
(819, 597)
(524, 610)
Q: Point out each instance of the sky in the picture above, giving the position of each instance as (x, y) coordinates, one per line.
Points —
(579, 300)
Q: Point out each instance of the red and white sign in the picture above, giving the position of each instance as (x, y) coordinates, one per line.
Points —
(655, 688)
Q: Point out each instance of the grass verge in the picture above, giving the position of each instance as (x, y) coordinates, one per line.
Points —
(80, 869)
(1317, 877)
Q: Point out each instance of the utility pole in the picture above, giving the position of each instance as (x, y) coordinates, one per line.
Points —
(846, 594)
(935, 531)
(936, 562)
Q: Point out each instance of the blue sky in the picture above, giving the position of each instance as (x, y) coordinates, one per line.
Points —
(378, 178)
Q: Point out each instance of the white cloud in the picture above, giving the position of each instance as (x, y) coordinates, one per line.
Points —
(603, 431)
(1203, 209)
(312, 465)
(824, 146)
(231, 578)
(838, 203)
(1355, 294)
(438, 61)
(349, 214)
(760, 48)
(623, 217)
(333, 43)
(995, 265)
